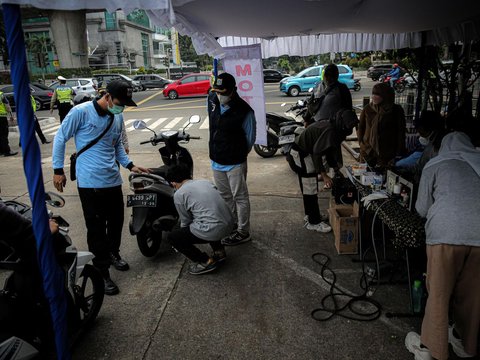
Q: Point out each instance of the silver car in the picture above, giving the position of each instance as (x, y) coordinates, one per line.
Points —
(80, 85)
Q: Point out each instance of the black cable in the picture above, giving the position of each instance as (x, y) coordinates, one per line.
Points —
(335, 293)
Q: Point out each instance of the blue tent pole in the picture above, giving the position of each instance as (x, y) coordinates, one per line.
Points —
(53, 278)
(215, 68)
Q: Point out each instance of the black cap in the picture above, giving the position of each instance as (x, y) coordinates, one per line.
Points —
(224, 83)
(122, 91)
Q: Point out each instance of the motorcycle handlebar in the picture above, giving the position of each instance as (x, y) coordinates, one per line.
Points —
(145, 142)
(195, 137)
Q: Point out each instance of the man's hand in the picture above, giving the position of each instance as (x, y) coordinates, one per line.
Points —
(53, 226)
(127, 150)
(139, 169)
(59, 181)
(327, 181)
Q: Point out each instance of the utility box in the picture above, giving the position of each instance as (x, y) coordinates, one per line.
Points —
(344, 222)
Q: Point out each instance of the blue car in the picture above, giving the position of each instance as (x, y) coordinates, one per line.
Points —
(310, 77)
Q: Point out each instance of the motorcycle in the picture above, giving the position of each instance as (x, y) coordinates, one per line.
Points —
(399, 85)
(24, 310)
(153, 210)
(280, 130)
(357, 86)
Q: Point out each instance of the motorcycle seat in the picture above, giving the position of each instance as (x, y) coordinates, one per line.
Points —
(286, 123)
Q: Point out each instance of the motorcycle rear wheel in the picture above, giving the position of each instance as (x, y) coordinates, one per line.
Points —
(265, 151)
(89, 293)
(148, 241)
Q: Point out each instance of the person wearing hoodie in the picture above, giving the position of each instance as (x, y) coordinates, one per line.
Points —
(320, 139)
(448, 198)
(382, 129)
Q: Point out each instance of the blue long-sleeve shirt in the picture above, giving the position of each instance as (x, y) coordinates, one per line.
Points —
(97, 166)
(250, 127)
(394, 73)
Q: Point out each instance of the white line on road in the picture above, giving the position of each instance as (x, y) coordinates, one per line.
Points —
(52, 130)
(156, 123)
(204, 124)
(172, 123)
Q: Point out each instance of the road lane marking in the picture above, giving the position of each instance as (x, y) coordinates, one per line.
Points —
(156, 123)
(172, 123)
(52, 130)
(205, 124)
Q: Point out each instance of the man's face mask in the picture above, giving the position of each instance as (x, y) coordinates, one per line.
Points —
(115, 109)
(223, 98)
(424, 141)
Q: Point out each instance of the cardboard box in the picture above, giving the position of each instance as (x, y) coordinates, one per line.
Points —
(333, 205)
(344, 222)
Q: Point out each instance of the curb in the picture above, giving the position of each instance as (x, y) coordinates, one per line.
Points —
(44, 121)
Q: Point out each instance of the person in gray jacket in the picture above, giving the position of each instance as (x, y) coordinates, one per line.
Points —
(205, 218)
(448, 198)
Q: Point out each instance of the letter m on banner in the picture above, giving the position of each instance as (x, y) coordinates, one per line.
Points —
(245, 71)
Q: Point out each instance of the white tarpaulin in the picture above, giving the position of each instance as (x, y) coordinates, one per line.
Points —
(245, 64)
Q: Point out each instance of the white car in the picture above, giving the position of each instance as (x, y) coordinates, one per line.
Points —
(80, 85)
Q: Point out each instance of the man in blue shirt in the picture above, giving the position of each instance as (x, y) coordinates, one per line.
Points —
(394, 74)
(98, 174)
(232, 135)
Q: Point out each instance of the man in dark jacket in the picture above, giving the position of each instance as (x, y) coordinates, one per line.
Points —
(328, 97)
(232, 135)
(321, 139)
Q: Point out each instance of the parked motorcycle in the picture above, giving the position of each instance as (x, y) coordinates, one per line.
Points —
(153, 210)
(399, 85)
(24, 310)
(280, 130)
(357, 86)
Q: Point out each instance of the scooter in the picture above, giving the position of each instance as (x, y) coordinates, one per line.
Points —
(357, 86)
(280, 130)
(153, 210)
(399, 85)
(24, 310)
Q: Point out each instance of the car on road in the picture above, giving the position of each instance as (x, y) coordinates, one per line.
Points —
(270, 75)
(104, 79)
(80, 85)
(152, 81)
(310, 77)
(41, 93)
(189, 85)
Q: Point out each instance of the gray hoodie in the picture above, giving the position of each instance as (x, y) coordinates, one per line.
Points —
(448, 195)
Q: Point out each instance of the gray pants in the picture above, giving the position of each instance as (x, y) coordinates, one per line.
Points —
(233, 188)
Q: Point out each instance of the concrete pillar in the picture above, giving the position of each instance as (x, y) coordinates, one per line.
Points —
(69, 29)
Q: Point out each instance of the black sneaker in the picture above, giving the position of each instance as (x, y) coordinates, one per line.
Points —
(236, 238)
(11, 153)
(118, 263)
(110, 287)
(219, 256)
(199, 268)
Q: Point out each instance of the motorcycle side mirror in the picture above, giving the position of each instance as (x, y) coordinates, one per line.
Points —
(194, 119)
(310, 90)
(300, 103)
(54, 200)
(139, 125)
(283, 104)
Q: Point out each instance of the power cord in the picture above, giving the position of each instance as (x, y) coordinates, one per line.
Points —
(335, 293)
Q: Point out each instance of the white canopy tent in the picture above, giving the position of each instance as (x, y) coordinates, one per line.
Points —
(301, 27)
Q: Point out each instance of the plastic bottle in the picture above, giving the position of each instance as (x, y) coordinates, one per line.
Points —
(417, 294)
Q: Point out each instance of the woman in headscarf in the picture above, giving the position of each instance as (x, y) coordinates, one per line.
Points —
(448, 198)
(381, 132)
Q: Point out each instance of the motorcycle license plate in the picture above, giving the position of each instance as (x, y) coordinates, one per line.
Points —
(287, 139)
(142, 200)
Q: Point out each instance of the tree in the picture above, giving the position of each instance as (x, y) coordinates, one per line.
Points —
(188, 53)
(284, 64)
(3, 42)
(38, 47)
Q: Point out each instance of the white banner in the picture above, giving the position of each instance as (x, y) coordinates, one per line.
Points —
(245, 64)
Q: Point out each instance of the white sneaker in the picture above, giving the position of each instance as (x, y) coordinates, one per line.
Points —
(412, 343)
(457, 345)
(322, 227)
(305, 219)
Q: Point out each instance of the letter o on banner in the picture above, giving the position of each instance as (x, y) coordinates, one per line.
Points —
(245, 85)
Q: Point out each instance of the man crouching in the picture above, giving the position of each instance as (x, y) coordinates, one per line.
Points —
(205, 218)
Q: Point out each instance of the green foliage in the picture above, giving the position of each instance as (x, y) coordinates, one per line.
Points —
(365, 63)
(141, 70)
(284, 64)
(75, 72)
(112, 71)
(188, 53)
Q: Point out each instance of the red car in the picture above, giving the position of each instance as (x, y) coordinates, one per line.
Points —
(189, 85)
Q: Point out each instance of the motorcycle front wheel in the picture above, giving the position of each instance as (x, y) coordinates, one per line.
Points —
(148, 241)
(357, 87)
(89, 293)
(265, 151)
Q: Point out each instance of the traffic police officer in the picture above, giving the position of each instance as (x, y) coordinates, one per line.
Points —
(63, 97)
(5, 111)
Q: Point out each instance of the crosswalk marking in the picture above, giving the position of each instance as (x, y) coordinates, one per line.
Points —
(154, 125)
(204, 124)
(52, 130)
(172, 123)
